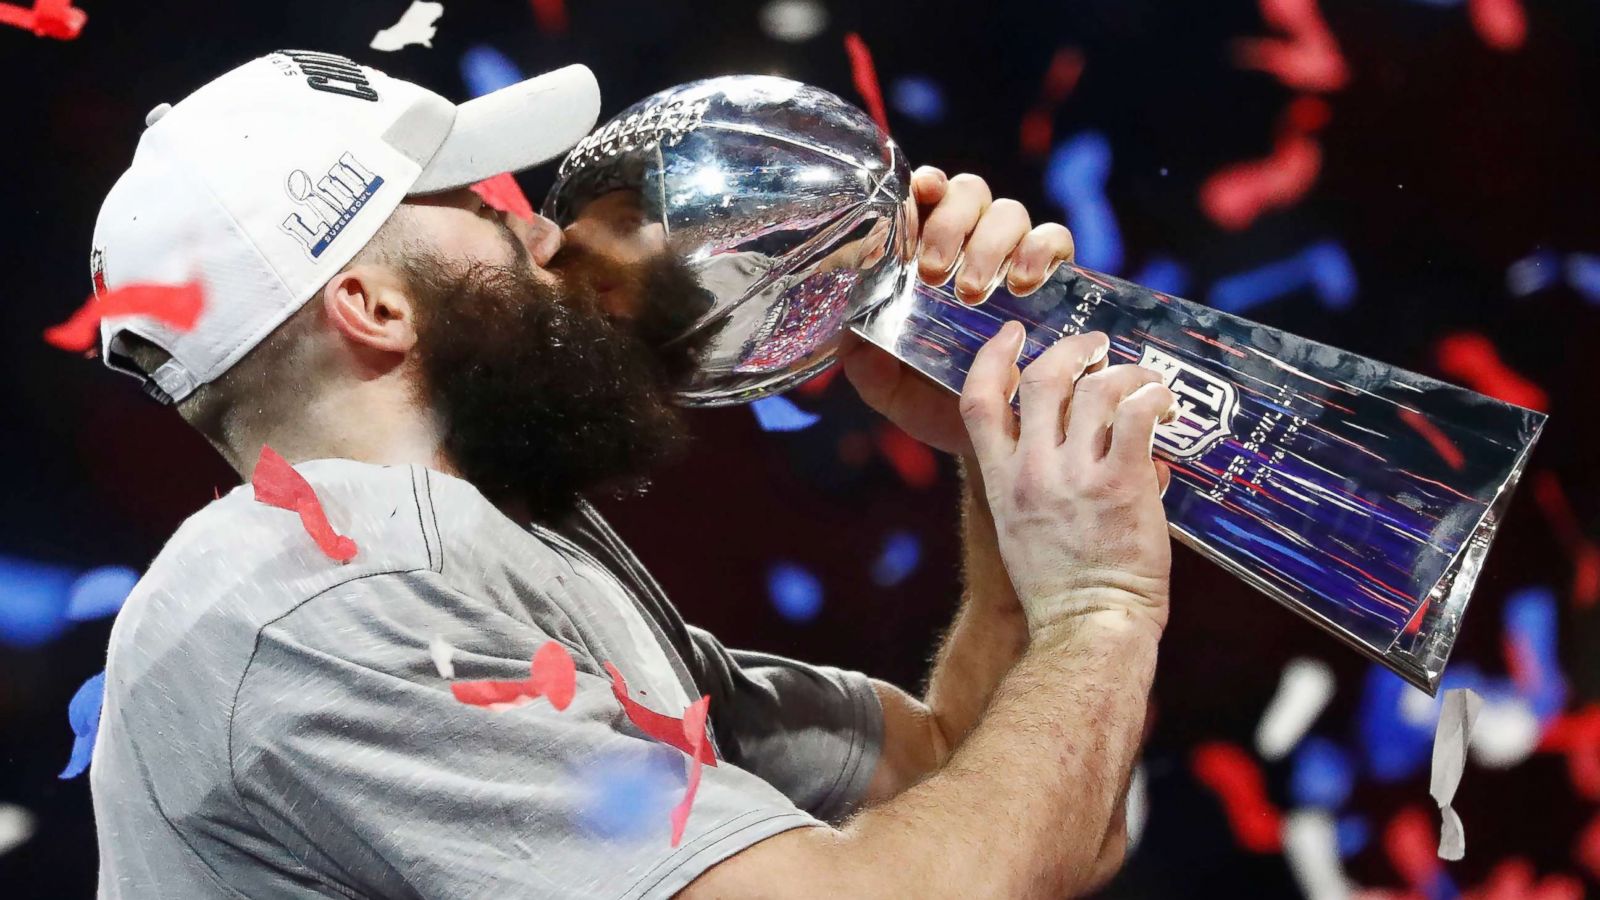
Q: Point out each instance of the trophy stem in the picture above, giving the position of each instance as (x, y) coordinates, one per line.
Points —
(1359, 495)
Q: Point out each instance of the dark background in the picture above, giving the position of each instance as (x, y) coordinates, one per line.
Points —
(1445, 161)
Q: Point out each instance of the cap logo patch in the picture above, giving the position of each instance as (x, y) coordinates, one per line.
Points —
(327, 205)
(333, 74)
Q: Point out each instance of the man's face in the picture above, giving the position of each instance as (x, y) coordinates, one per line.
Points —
(543, 353)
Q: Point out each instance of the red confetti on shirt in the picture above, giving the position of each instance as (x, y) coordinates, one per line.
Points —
(176, 305)
(503, 193)
(1473, 360)
(1307, 59)
(666, 729)
(278, 484)
(57, 19)
(551, 674)
(694, 734)
(1234, 776)
(865, 76)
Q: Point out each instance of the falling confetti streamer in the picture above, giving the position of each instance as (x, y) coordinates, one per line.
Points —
(504, 193)
(1533, 273)
(796, 593)
(1323, 775)
(100, 592)
(16, 827)
(865, 76)
(1060, 80)
(901, 555)
(83, 714)
(1459, 711)
(1163, 275)
(1311, 847)
(794, 21)
(1075, 178)
(911, 459)
(663, 728)
(1237, 781)
(485, 70)
(443, 656)
(1583, 275)
(1308, 59)
(1409, 842)
(57, 19)
(175, 305)
(416, 26)
(1235, 196)
(918, 98)
(1503, 24)
(1584, 552)
(1323, 267)
(552, 675)
(277, 484)
(1530, 622)
(551, 16)
(1303, 692)
(780, 414)
(1473, 360)
(694, 734)
(1576, 734)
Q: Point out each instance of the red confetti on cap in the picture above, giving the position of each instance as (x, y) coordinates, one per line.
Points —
(176, 305)
(666, 729)
(694, 734)
(503, 193)
(57, 19)
(551, 674)
(278, 484)
(865, 76)
(1234, 776)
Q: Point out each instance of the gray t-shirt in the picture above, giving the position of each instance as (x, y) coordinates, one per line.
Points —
(274, 725)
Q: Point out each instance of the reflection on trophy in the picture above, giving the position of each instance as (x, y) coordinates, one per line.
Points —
(1361, 496)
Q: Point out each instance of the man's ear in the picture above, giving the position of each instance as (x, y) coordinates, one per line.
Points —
(369, 306)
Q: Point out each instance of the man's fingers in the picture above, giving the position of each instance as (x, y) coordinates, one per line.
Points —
(1163, 477)
(1134, 428)
(1047, 384)
(928, 185)
(1094, 407)
(986, 394)
(997, 234)
(1041, 251)
(945, 231)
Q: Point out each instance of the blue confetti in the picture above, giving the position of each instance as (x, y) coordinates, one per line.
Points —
(796, 593)
(901, 555)
(1323, 267)
(780, 414)
(1353, 832)
(629, 795)
(100, 592)
(33, 601)
(83, 714)
(1531, 617)
(1323, 774)
(486, 70)
(1533, 273)
(1165, 275)
(918, 98)
(1392, 746)
(1075, 177)
(1583, 274)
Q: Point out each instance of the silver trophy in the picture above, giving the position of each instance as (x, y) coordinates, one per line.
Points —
(1359, 495)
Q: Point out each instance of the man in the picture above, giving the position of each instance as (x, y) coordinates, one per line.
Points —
(449, 383)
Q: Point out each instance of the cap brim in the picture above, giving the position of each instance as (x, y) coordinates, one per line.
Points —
(514, 128)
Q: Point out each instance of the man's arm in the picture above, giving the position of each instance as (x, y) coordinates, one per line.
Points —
(986, 638)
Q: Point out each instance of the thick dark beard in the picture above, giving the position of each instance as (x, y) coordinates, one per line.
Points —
(544, 399)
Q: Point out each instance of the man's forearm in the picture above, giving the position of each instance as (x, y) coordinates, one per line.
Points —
(989, 632)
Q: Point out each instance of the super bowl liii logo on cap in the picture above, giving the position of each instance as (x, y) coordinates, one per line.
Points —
(328, 205)
(1206, 405)
(327, 72)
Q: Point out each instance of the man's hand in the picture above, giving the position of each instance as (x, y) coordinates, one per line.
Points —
(981, 241)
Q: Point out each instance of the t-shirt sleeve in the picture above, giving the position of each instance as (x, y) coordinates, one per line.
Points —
(350, 750)
(812, 732)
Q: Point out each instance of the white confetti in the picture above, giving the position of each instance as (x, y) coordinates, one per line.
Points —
(1456, 715)
(1505, 733)
(415, 27)
(1311, 847)
(443, 656)
(1303, 692)
(16, 826)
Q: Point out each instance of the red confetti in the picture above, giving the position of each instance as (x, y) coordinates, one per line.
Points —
(1236, 779)
(866, 78)
(1587, 849)
(278, 484)
(1236, 195)
(57, 19)
(1449, 452)
(1412, 845)
(1308, 59)
(1577, 734)
(1513, 879)
(1503, 24)
(551, 16)
(1066, 67)
(694, 734)
(666, 729)
(1473, 360)
(1584, 552)
(912, 460)
(818, 383)
(503, 193)
(177, 305)
(552, 675)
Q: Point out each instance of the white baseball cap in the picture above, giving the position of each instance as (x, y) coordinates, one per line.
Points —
(264, 183)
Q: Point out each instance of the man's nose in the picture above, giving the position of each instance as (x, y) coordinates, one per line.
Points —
(541, 236)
